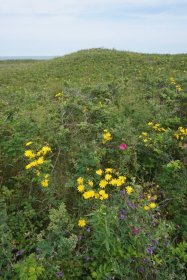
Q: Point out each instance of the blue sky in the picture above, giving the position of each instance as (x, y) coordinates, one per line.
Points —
(58, 27)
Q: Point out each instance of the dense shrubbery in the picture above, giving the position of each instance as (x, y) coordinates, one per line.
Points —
(93, 160)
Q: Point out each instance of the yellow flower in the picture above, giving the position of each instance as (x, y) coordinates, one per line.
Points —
(96, 195)
(103, 195)
(31, 164)
(88, 194)
(29, 154)
(45, 183)
(129, 189)
(150, 123)
(176, 135)
(146, 208)
(81, 223)
(99, 172)
(145, 140)
(152, 205)
(40, 160)
(80, 181)
(103, 183)
(44, 150)
(108, 177)
(113, 182)
(90, 183)
(80, 188)
(106, 136)
(122, 180)
(28, 143)
(108, 170)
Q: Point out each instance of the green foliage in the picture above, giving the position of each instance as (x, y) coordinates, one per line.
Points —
(67, 103)
(29, 269)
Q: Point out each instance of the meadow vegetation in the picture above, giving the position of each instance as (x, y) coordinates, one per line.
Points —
(93, 160)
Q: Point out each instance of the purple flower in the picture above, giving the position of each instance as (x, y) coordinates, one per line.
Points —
(132, 205)
(122, 214)
(136, 230)
(59, 274)
(149, 250)
(122, 192)
(20, 252)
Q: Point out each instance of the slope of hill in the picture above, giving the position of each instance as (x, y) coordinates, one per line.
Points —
(67, 118)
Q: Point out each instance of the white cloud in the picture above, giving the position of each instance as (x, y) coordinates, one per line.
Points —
(55, 27)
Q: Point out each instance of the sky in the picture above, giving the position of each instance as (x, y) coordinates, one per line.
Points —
(59, 27)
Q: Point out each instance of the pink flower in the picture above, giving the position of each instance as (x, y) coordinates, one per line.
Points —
(123, 146)
(136, 230)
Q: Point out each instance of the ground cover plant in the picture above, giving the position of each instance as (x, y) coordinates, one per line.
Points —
(93, 157)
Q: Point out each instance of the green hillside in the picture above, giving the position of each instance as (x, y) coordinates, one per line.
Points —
(93, 160)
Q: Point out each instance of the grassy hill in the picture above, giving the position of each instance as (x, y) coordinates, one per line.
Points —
(84, 112)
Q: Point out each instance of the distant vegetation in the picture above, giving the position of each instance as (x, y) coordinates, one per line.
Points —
(93, 160)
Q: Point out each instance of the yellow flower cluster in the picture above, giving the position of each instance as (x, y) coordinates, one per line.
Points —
(145, 137)
(152, 205)
(106, 136)
(109, 179)
(173, 82)
(156, 127)
(181, 133)
(36, 160)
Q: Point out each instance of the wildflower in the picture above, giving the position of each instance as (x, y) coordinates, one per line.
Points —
(108, 177)
(103, 184)
(113, 182)
(103, 195)
(45, 183)
(99, 172)
(149, 250)
(29, 154)
(108, 170)
(44, 151)
(121, 214)
(80, 180)
(59, 274)
(123, 146)
(81, 223)
(132, 205)
(31, 164)
(80, 188)
(146, 208)
(121, 180)
(129, 189)
(106, 136)
(40, 160)
(122, 192)
(88, 194)
(28, 143)
(135, 230)
(96, 195)
(20, 252)
(90, 183)
(152, 205)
